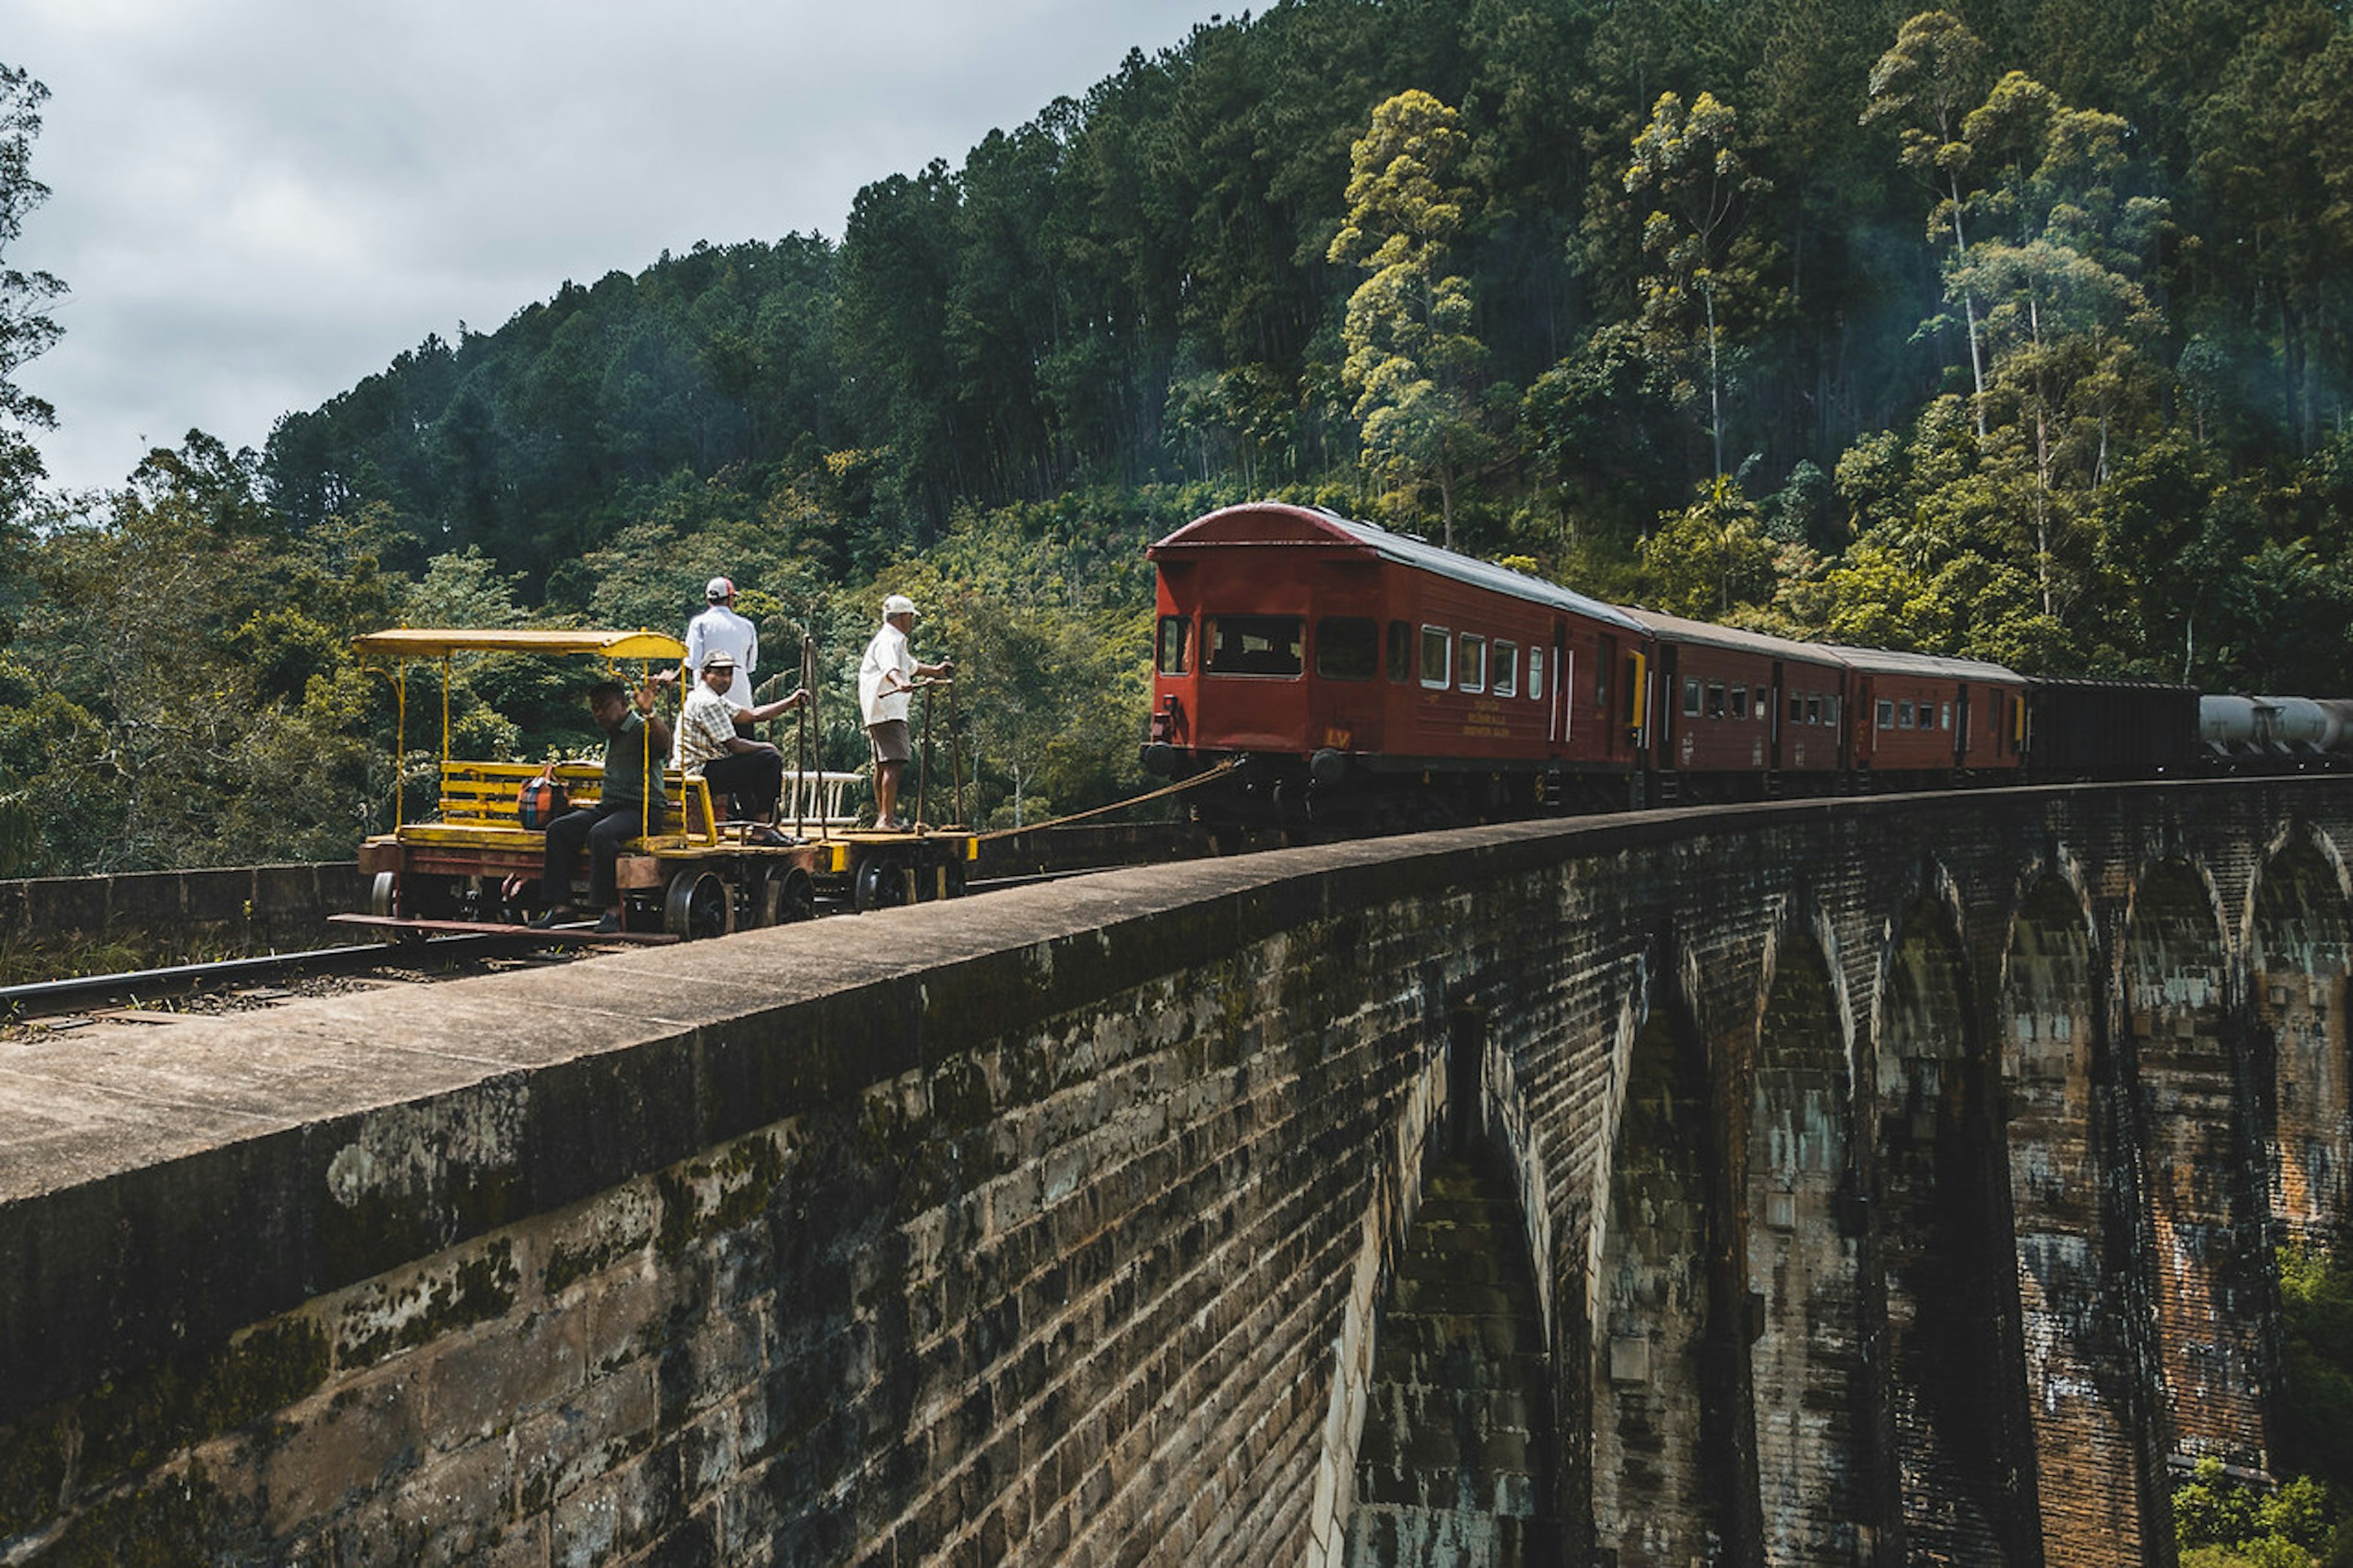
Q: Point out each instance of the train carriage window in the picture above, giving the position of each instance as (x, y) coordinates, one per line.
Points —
(1536, 673)
(1797, 707)
(1813, 708)
(1175, 645)
(1740, 702)
(1944, 715)
(1886, 714)
(1437, 657)
(1254, 645)
(1474, 662)
(1347, 648)
(1690, 696)
(1716, 699)
(1763, 705)
(1507, 668)
(1400, 652)
(1904, 714)
(1830, 709)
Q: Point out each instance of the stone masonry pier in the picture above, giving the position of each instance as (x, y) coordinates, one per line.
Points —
(1847, 1182)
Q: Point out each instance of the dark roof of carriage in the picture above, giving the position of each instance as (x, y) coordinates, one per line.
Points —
(1278, 524)
(1707, 634)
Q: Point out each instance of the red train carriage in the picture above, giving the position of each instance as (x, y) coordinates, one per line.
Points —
(1355, 674)
(1918, 717)
(1737, 714)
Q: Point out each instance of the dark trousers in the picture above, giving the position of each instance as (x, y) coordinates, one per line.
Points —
(750, 780)
(604, 829)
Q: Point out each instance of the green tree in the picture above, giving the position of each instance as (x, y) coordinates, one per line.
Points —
(26, 328)
(1412, 361)
(1713, 555)
(1689, 161)
(2272, 146)
(1927, 81)
(2066, 316)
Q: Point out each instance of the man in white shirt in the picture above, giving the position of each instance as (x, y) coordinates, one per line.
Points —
(885, 677)
(719, 629)
(745, 775)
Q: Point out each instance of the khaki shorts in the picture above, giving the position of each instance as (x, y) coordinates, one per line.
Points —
(890, 742)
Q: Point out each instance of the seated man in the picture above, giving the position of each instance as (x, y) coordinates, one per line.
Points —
(637, 738)
(749, 775)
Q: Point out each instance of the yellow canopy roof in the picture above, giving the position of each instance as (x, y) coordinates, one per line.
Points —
(424, 642)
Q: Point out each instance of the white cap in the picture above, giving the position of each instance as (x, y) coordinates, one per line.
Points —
(719, 588)
(898, 604)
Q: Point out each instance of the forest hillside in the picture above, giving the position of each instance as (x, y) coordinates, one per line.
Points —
(2013, 330)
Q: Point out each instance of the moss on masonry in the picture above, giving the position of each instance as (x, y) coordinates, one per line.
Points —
(33, 1457)
(128, 1426)
(477, 1289)
(180, 1519)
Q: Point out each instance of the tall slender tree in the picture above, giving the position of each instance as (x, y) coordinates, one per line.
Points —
(1690, 163)
(1412, 360)
(26, 328)
(1927, 81)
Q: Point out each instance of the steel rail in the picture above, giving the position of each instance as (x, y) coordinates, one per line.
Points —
(179, 979)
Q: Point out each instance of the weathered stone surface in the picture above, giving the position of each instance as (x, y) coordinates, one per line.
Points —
(1833, 1153)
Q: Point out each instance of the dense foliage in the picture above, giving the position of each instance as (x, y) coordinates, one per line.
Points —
(2013, 331)
(2019, 331)
(2221, 1522)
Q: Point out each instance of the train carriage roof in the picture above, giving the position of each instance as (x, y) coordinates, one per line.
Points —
(1278, 524)
(1707, 634)
(429, 642)
(1883, 661)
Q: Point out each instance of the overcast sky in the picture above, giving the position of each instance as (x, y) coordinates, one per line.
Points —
(256, 203)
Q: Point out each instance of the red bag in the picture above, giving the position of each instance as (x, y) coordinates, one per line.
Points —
(540, 803)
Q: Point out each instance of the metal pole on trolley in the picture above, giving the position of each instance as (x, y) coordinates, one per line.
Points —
(923, 778)
(956, 756)
(804, 748)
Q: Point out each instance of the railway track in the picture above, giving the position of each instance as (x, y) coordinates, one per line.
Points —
(162, 994)
(431, 951)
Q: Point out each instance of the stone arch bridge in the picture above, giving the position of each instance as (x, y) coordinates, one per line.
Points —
(1854, 1181)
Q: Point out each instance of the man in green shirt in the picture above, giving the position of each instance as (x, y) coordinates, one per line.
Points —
(636, 742)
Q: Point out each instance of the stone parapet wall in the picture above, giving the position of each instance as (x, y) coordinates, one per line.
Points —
(1062, 1224)
(240, 909)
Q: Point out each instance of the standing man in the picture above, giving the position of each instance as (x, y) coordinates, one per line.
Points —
(637, 738)
(746, 775)
(719, 629)
(885, 677)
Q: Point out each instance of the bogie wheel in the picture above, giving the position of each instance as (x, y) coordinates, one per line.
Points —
(881, 884)
(763, 899)
(427, 898)
(799, 900)
(698, 904)
(781, 895)
(380, 895)
(940, 880)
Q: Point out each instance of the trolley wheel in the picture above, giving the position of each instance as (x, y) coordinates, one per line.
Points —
(881, 884)
(799, 897)
(939, 879)
(698, 904)
(381, 893)
(763, 899)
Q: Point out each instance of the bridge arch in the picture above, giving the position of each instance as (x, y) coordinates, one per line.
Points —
(2298, 955)
(1947, 1273)
(2073, 1223)
(1667, 1483)
(1802, 1267)
(2211, 1274)
(1452, 1449)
